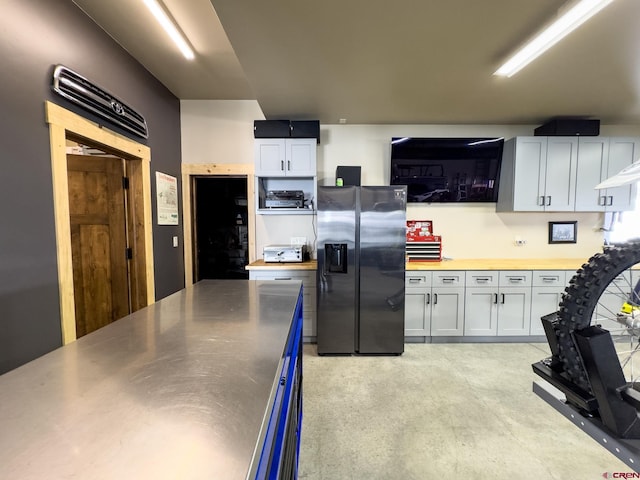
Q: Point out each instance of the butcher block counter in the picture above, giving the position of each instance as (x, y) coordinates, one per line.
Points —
(500, 264)
(262, 265)
(460, 264)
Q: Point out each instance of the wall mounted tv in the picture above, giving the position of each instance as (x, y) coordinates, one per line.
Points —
(442, 170)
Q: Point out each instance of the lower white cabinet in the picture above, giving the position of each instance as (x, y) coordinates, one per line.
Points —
(546, 293)
(308, 279)
(475, 303)
(434, 303)
(498, 303)
(417, 304)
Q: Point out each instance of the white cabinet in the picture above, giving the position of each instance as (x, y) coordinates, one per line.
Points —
(546, 293)
(279, 157)
(285, 165)
(417, 304)
(558, 174)
(434, 303)
(497, 303)
(538, 174)
(598, 159)
(308, 279)
(447, 304)
(481, 304)
(514, 307)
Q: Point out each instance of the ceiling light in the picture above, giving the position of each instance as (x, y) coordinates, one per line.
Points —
(169, 27)
(573, 17)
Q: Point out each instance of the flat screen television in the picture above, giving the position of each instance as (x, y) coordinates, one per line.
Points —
(443, 170)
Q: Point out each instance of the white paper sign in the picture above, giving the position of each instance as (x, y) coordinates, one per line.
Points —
(167, 195)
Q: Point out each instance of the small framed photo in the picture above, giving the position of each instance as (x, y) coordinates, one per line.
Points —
(563, 232)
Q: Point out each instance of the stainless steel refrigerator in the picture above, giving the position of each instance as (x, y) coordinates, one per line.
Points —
(361, 266)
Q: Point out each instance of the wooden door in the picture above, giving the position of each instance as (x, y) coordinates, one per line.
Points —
(98, 241)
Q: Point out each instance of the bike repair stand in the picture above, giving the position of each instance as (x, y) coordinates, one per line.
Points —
(610, 414)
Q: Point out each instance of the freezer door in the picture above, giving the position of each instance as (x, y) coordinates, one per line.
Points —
(336, 282)
(382, 266)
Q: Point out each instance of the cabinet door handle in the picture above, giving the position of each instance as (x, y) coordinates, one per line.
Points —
(610, 200)
(550, 279)
(414, 280)
(548, 200)
(282, 278)
(502, 298)
(428, 299)
(602, 201)
(448, 280)
(495, 298)
(288, 165)
(282, 165)
(435, 298)
(516, 279)
(541, 201)
(482, 279)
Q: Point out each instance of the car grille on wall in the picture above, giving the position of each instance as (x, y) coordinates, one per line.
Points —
(79, 90)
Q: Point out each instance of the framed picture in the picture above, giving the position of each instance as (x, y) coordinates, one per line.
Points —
(563, 232)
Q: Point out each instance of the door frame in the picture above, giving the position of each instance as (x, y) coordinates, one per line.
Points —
(65, 124)
(189, 172)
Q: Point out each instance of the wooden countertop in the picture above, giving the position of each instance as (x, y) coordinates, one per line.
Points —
(458, 264)
(262, 265)
(500, 264)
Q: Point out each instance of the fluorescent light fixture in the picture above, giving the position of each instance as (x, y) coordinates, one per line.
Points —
(489, 140)
(573, 17)
(170, 28)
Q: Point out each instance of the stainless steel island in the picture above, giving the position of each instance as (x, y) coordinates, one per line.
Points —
(204, 384)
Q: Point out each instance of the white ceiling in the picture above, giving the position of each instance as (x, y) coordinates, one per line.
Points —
(383, 62)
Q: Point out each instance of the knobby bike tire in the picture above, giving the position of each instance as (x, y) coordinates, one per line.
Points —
(581, 298)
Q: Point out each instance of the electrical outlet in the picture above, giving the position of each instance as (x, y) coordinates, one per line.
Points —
(519, 242)
(298, 240)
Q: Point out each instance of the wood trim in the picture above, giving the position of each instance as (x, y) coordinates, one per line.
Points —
(217, 169)
(187, 237)
(62, 124)
(63, 231)
(211, 169)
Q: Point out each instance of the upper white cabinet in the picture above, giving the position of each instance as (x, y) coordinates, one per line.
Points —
(538, 174)
(285, 165)
(279, 157)
(558, 174)
(598, 159)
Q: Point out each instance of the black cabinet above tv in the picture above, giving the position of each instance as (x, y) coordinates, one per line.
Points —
(443, 170)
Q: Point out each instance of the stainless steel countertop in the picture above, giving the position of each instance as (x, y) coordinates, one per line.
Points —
(177, 390)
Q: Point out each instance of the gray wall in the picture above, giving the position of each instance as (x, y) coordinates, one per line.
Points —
(34, 36)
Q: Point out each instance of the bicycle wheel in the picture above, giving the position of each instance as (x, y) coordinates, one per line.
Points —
(595, 296)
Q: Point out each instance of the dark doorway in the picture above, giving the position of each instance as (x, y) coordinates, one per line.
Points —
(221, 232)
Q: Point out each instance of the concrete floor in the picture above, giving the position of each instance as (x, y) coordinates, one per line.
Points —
(439, 411)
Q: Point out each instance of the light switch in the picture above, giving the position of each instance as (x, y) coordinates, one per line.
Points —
(175, 241)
